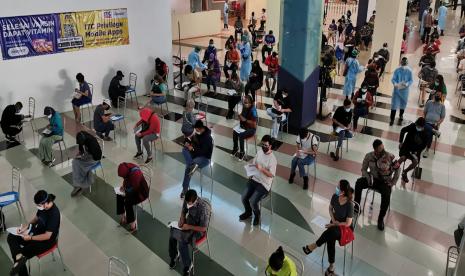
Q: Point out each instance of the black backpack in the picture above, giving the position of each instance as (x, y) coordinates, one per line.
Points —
(458, 235)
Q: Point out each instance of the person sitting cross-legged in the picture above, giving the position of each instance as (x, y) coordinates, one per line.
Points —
(197, 152)
(305, 155)
(362, 102)
(341, 121)
(248, 127)
(259, 185)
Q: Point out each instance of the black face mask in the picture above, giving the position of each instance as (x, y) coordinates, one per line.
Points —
(265, 149)
(437, 98)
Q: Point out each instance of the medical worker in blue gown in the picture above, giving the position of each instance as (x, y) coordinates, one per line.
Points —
(353, 68)
(402, 80)
(442, 17)
(246, 64)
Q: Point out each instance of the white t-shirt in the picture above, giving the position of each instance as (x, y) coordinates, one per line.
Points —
(268, 162)
(306, 144)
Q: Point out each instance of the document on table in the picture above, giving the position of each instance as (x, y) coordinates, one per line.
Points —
(238, 129)
(251, 170)
(119, 192)
(320, 221)
(14, 230)
(174, 224)
(7, 198)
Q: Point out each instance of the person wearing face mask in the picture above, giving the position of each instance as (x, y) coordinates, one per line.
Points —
(231, 61)
(197, 152)
(246, 58)
(341, 121)
(362, 101)
(259, 185)
(234, 89)
(269, 40)
(402, 79)
(158, 91)
(438, 87)
(434, 114)
(341, 211)
(133, 191)
(82, 96)
(116, 90)
(225, 14)
(416, 139)
(211, 49)
(193, 59)
(12, 121)
(272, 62)
(161, 68)
(248, 127)
(351, 70)
(427, 75)
(238, 27)
(191, 86)
(371, 79)
(213, 72)
(102, 120)
(146, 130)
(192, 225)
(255, 81)
(52, 134)
(380, 172)
(384, 54)
(36, 237)
(88, 156)
(279, 112)
(306, 152)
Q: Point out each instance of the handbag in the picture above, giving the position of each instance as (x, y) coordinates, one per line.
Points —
(347, 235)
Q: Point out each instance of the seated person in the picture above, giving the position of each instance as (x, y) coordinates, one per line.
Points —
(414, 143)
(230, 43)
(197, 153)
(255, 81)
(194, 78)
(133, 191)
(248, 125)
(371, 79)
(193, 223)
(213, 72)
(158, 91)
(427, 75)
(161, 69)
(102, 120)
(146, 130)
(188, 119)
(88, 156)
(45, 225)
(259, 185)
(12, 121)
(341, 210)
(273, 67)
(116, 90)
(434, 114)
(438, 86)
(280, 265)
(238, 26)
(82, 96)
(231, 61)
(279, 111)
(305, 155)
(50, 136)
(341, 121)
(268, 43)
(362, 103)
(233, 85)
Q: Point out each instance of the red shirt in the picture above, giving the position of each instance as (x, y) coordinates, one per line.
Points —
(273, 64)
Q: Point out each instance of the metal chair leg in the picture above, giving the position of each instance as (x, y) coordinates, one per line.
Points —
(61, 151)
(61, 259)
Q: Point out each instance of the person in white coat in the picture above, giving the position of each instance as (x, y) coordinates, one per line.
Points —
(442, 17)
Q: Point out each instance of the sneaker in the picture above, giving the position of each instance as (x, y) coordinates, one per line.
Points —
(256, 221)
(405, 177)
(174, 261)
(148, 160)
(75, 191)
(245, 216)
(425, 154)
(193, 168)
(51, 163)
(107, 138)
(391, 123)
(437, 133)
(187, 270)
(291, 178)
(138, 155)
(241, 156)
(234, 152)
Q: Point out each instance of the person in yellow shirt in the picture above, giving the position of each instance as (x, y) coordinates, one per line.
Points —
(280, 265)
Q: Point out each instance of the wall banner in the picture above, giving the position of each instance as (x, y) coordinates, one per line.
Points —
(53, 33)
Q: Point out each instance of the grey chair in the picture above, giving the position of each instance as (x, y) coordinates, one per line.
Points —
(131, 91)
(118, 267)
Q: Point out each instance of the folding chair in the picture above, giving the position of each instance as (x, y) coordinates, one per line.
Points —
(153, 144)
(59, 142)
(13, 196)
(46, 253)
(88, 106)
(120, 116)
(132, 87)
(197, 244)
(117, 267)
(147, 172)
(99, 165)
(268, 197)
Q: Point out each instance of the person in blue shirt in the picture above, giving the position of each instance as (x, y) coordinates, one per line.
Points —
(268, 45)
(402, 80)
(246, 65)
(352, 69)
(211, 49)
(82, 96)
(194, 59)
(52, 134)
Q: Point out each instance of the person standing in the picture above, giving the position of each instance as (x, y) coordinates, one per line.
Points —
(428, 23)
(225, 14)
(442, 17)
(116, 90)
(88, 156)
(351, 70)
(12, 121)
(263, 20)
(193, 59)
(238, 27)
(246, 64)
(462, 11)
(53, 134)
(402, 80)
(102, 120)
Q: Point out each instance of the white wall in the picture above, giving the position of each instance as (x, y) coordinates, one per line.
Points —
(371, 8)
(193, 24)
(50, 79)
(273, 22)
(255, 6)
(180, 6)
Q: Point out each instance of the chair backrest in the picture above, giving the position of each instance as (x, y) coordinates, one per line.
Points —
(122, 104)
(299, 263)
(32, 107)
(102, 145)
(15, 179)
(147, 172)
(356, 215)
(117, 267)
(317, 138)
(91, 87)
(132, 80)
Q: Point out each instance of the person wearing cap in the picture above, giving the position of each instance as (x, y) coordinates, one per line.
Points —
(133, 191)
(82, 96)
(52, 134)
(352, 69)
(416, 139)
(146, 130)
(88, 156)
(12, 121)
(116, 90)
(194, 60)
(246, 58)
(272, 62)
(102, 120)
(211, 49)
(362, 102)
(402, 79)
(37, 236)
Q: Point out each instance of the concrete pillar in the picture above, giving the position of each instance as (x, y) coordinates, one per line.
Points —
(300, 42)
(362, 14)
(389, 27)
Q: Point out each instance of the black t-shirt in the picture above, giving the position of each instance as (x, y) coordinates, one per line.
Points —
(48, 221)
(285, 103)
(342, 212)
(342, 116)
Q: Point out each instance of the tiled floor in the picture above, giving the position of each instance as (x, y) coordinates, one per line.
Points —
(418, 231)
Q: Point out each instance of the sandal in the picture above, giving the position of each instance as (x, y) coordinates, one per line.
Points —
(18, 264)
(306, 250)
(132, 229)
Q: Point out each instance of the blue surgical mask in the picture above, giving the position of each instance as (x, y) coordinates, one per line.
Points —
(338, 191)
(419, 128)
(348, 109)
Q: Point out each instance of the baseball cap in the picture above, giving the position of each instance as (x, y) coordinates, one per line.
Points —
(119, 73)
(107, 102)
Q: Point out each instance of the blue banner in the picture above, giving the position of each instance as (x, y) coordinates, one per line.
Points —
(25, 36)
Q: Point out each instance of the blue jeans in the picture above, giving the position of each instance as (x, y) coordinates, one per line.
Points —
(200, 160)
(359, 112)
(301, 163)
(158, 100)
(276, 125)
(343, 134)
(253, 193)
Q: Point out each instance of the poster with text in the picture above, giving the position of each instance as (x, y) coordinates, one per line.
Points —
(25, 36)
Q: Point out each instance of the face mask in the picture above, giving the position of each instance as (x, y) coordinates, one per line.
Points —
(40, 208)
(197, 132)
(49, 116)
(284, 95)
(436, 83)
(385, 48)
(265, 149)
(419, 128)
(437, 98)
(190, 205)
(338, 191)
(348, 109)
(364, 91)
(381, 153)
(211, 45)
